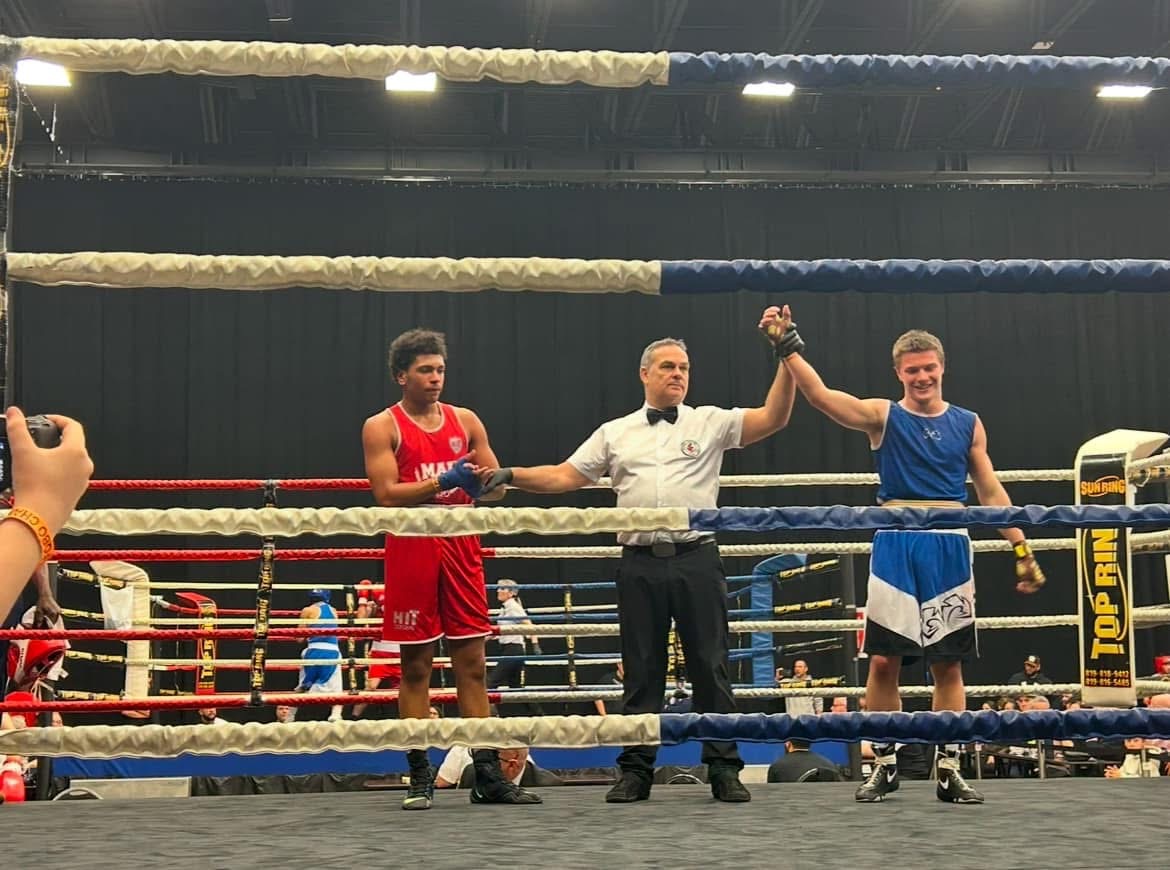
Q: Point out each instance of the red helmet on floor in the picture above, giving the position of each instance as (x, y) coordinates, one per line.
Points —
(30, 661)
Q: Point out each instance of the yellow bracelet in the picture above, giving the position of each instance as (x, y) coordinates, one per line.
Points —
(33, 522)
(1022, 550)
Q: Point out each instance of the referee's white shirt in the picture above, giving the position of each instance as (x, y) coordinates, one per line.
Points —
(511, 613)
(662, 465)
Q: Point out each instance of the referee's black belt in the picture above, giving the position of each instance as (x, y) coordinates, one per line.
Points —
(666, 549)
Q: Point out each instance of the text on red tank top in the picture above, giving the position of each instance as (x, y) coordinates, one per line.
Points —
(423, 455)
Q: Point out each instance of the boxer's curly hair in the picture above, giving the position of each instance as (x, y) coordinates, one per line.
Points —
(917, 341)
(412, 344)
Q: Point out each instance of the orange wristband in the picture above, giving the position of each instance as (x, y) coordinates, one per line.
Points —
(32, 520)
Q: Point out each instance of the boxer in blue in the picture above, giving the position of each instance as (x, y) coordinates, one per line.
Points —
(921, 596)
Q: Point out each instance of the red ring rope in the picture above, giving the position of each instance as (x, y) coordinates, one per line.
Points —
(302, 484)
(215, 555)
(184, 633)
(196, 702)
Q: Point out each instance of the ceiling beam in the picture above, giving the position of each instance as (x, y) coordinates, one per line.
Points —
(536, 22)
(1011, 107)
(906, 126)
(932, 26)
(1066, 21)
(152, 18)
(667, 16)
(974, 113)
(410, 22)
(797, 32)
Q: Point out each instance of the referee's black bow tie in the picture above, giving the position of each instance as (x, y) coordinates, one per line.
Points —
(670, 415)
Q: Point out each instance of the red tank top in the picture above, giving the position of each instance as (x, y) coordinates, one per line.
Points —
(422, 455)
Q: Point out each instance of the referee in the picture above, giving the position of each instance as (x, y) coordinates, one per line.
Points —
(668, 454)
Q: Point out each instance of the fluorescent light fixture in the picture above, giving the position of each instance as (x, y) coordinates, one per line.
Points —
(404, 81)
(38, 73)
(769, 89)
(1124, 92)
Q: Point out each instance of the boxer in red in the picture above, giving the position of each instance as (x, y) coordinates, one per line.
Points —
(419, 452)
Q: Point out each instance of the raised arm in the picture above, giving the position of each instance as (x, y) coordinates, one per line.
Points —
(863, 415)
(773, 415)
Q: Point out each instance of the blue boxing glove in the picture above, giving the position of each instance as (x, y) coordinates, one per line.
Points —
(460, 475)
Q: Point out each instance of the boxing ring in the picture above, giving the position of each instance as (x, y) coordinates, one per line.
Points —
(574, 827)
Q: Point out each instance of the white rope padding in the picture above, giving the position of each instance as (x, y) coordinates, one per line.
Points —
(291, 522)
(231, 272)
(370, 735)
(284, 59)
(1143, 542)
(299, 738)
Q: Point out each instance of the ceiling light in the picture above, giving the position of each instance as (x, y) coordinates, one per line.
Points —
(405, 81)
(1124, 92)
(39, 73)
(769, 89)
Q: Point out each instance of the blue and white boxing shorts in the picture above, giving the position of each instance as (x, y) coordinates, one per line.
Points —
(320, 678)
(921, 598)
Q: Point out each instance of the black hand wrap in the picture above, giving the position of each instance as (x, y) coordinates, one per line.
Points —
(789, 343)
(499, 477)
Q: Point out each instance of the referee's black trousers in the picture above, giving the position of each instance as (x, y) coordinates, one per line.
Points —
(691, 588)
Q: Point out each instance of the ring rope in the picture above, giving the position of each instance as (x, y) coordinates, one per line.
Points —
(1148, 542)
(1142, 617)
(259, 273)
(612, 69)
(368, 735)
(361, 484)
(292, 522)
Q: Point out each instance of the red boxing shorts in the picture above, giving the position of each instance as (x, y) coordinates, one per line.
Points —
(434, 587)
(389, 675)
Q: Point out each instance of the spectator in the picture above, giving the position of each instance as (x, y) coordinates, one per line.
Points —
(286, 714)
(1160, 702)
(840, 705)
(457, 771)
(801, 706)
(1031, 675)
(796, 762)
(210, 716)
(519, 768)
(614, 679)
(1162, 668)
(1134, 765)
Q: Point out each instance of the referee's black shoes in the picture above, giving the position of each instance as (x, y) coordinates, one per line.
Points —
(629, 788)
(726, 787)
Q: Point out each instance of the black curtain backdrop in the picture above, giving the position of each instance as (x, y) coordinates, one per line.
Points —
(172, 383)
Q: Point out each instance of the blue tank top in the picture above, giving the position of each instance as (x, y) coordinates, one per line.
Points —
(326, 618)
(925, 457)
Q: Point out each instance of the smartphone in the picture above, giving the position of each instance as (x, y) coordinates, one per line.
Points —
(44, 432)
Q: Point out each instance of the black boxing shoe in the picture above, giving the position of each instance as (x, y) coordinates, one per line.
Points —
(881, 782)
(491, 787)
(420, 795)
(953, 789)
(631, 787)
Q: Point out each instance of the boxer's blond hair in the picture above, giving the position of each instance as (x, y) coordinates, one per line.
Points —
(917, 341)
